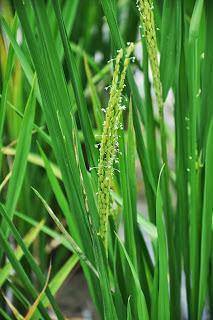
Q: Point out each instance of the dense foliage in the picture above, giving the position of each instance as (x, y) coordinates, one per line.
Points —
(97, 99)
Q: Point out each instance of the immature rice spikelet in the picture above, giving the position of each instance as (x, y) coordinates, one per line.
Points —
(146, 10)
(109, 141)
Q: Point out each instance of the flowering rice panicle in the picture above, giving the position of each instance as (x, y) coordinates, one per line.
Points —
(145, 8)
(109, 141)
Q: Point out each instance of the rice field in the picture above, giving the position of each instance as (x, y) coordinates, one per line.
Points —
(106, 159)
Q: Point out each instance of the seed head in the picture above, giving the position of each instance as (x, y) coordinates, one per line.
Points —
(109, 140)
(146, 11)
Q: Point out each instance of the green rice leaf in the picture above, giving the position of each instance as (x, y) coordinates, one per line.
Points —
(206, 234)
(20, 162)
(163, 298)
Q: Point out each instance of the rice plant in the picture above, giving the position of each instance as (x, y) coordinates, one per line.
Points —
(106, 130)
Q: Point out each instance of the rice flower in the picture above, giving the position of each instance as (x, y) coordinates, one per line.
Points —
(146, 11)
(109, 140)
